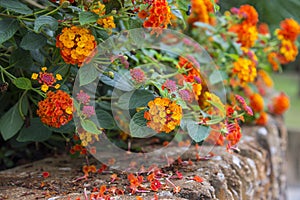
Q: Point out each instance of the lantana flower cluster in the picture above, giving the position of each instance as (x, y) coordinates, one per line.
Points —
(76, 45)
(56, 109)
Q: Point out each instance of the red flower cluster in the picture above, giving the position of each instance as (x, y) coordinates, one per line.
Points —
(56, 109)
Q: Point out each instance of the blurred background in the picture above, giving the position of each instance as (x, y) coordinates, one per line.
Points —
(272, 12)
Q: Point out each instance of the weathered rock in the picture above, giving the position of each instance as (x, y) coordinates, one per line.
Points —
(258, 171)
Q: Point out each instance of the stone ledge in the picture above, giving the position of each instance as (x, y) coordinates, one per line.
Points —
(256, 172)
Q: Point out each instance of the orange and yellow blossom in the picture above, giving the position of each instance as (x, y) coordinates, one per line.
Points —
(159, 16)
(105, 22)
(163, 115)
(202, 11)
(76, 45)
(246, 31)
(245, 70)
(290, 29)
(56, 109)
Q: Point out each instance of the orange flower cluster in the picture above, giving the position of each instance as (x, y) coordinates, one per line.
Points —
(159, 16)
(246, 30)
(256, 102)
(264, 76)
(287, 35)
(56, 109)
(273, 60)
(163, 115)
(262, 119)
(76, 45)
(280, 104)
(192, 76)
(245, 70)
(105, 22)
(202, 11)
(234, 133)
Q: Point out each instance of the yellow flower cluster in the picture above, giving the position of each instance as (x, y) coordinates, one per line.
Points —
(88, 138)
(46, 79)
(106, 22)
(245, 70)
(163, 115)
(76, 45)
(288, 50)
(287, 35)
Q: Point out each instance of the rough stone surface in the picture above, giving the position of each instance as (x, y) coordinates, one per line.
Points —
(258, 171)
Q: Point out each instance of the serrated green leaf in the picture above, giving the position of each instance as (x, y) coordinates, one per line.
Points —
(138, 127)
(197, 132)
(134, 99)
(32, 41)
(105, 119)
(11, 122)
(8, 27)
(183, 4)
(16, 6)
(22, 83)
(86, 17)
(21, 59)
(45, 21)
(36, 132)
(87, 74)
(90, 126)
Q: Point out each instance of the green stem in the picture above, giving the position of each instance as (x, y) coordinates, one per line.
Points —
(39, 92)
(9, 75)
(53, 11)
(20, 105)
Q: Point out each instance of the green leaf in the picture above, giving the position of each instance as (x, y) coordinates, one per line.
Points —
(87, 74)
(90, 126)
(215, 77)
(111, 5)
(138, 127)
(22, 83)
(33, 41)
(135, 23)
(45, 21)
(86, 17)
(36, 132)
(134, 99)
(8, 27)
(197, 132)
(121, 82)
(205, 26)
(16, 6)
(11, 122)
(67, 128)
(21, 59)
(105, 119)
(183, 4)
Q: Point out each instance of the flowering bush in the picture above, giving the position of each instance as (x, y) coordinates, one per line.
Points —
(137, 69)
